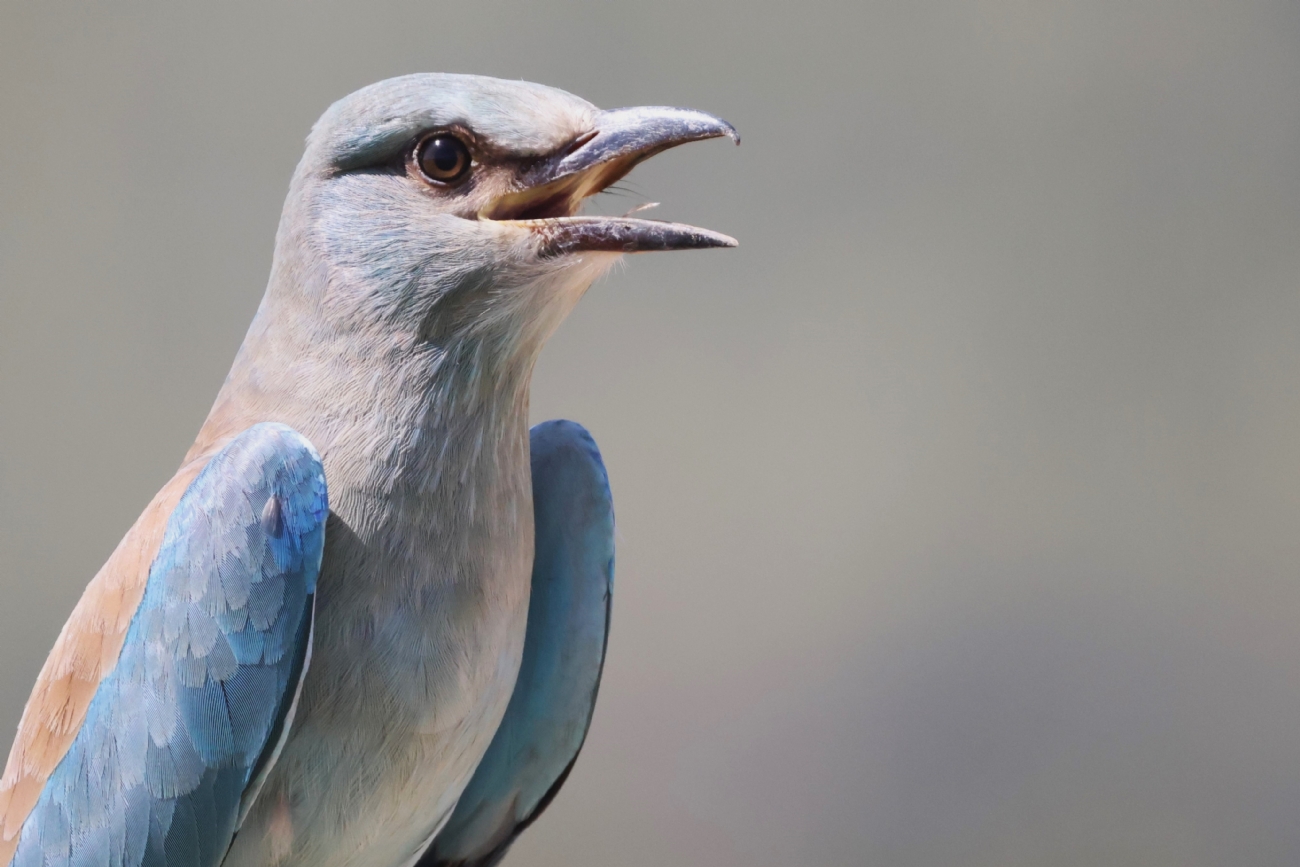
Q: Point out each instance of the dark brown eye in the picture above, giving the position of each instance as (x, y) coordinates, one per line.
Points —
(443, 158)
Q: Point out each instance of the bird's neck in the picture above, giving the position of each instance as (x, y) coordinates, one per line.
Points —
(389, 403)
(419, 409)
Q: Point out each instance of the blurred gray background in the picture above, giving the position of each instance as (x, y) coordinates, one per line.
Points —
(959, 506)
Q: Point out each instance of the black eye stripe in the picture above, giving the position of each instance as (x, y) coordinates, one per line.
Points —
(443, 158)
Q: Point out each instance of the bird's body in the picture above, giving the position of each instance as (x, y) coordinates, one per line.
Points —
(393, 350)
(424, 592)
(419, 631)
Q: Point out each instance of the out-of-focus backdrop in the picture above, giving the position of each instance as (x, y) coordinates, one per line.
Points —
(959, 507)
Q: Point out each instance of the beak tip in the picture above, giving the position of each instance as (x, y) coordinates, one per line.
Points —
(719, 128)
(701, 239)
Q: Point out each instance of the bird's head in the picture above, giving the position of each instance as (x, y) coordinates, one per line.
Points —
(445, 207)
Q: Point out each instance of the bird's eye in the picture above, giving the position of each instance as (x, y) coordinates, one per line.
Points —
(443, 158)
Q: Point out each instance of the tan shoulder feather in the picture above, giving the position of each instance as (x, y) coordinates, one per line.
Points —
(86, 650)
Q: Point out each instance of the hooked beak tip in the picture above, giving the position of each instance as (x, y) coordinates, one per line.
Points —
(624, 137)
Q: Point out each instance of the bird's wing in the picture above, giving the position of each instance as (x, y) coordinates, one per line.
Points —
(564, 650)
(154, 761)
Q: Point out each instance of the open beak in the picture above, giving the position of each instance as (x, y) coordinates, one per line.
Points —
(552, 190)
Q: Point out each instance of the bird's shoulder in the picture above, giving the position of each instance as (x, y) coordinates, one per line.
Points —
(86, 649)
(85, 652)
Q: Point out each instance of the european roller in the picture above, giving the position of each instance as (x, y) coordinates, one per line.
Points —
(365, 621)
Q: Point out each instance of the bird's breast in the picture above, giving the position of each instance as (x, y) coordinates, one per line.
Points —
(421, 611)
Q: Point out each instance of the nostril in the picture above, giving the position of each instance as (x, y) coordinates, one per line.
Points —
(580, 141)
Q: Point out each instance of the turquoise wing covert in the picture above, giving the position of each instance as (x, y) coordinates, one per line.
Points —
(564, 651)
(180, 733)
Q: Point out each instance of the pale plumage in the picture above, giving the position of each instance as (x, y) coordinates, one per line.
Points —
(564, 650)
(410, 294)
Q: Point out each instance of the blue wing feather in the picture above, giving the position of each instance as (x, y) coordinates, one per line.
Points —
(564, 650)
(199, 697)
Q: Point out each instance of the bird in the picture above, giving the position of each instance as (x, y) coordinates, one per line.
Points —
(364, 624)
